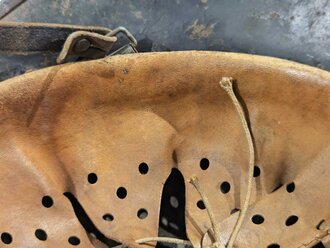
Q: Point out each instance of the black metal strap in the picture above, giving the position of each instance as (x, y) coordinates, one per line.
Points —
(77, 42)
(38, 37)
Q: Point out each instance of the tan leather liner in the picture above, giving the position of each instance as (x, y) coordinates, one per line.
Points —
(60, 124)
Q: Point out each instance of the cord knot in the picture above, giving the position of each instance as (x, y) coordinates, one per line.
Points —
(226, 83)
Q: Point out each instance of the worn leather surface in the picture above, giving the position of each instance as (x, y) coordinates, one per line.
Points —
(167, 110)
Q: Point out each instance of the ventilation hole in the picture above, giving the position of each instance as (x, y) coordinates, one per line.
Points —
(121, 192)
(73, 240)
(142, 213)
(318, 226)
(225, 187)
(204, 164)
(47, 201)
(258, 219)
(291, 220)
(256, 171)
(290, 187)
(200, 205)
(6, 238)
(273, 246)
(92, 178)
(234, 210)
(108, 217)
(143, 168)
(40, 234)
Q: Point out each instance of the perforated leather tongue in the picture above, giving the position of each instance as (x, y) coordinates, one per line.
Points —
(107, 134)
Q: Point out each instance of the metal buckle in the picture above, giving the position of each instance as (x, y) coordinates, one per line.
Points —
(128, 48)
(90, 45)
